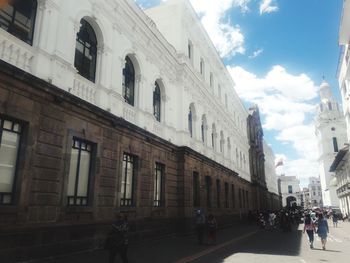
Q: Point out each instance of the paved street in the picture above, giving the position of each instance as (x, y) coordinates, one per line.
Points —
(285, 247)
(240, 244)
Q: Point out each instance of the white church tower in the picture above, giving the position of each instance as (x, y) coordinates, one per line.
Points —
(331, 136)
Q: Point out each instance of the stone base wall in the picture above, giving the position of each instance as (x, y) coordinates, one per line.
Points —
(40, 223)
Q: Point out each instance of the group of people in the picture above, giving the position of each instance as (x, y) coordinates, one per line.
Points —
(317, 225)
(205, 226)
(281, 219)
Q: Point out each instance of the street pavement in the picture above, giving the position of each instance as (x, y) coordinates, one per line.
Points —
(239, 244)
(290, 247)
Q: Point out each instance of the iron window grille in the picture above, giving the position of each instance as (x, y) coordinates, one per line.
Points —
(79, 173)
(127, 184)
(158, 185)
(208, 190)
(157, 102)
(86, 51)
(129, 82)
(226, 195)
(233, 196)
(10, 135)
(196, 190)
(218, 190)
(18, 18)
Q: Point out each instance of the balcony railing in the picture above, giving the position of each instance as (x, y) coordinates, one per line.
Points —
(15, 51)
(84, 89)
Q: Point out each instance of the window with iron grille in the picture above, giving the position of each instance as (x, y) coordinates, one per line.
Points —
(233, 196)
(79, 173)
(18, 18)
(196, 189)
(226, 195)
(158, 185)
(129, 82)
(10, 135)
(156, 102)
(240, 197)
(127, 184)
(86, 51)
(218, 190)
(208, 190)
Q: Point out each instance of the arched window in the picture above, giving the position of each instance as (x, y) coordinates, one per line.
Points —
(204, 129)
(156, 102)
(86, 51)
(201, 66)
(18, 18)
(190, 124)
(129, 82)
(222, 142)
(213, 136)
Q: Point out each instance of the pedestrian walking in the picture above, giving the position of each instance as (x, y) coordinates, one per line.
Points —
(200, 226)
(117, 240)
(310, 229)
(335, 220)
(322, 230)
(211, 228)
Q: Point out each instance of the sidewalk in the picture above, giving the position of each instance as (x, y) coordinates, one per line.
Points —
(178, 249)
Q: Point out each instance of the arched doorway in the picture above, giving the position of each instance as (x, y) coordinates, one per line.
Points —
(291, 201)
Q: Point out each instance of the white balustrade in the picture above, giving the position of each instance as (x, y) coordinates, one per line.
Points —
(84, 89)
(16, 52)
(129, 113)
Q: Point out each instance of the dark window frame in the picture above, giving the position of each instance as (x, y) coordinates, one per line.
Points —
(129, 81)
(14, 191)
(226, 195)
(159, 167)
(218, 193)
(128, 202)
(157, 102)
(88, 39)
(335, 144)
(233, 196)
(208, 186)
(190, 122)
(12, 25)
(196, 189)
(75, 197)
(290, 189)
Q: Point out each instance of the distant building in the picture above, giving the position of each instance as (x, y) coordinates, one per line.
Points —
(271, 178)
(331, 136)
(315, 192)
(289, 187)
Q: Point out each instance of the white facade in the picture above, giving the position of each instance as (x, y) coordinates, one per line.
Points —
(315, 192)
(270, 171)
(289, 187)
(342, 167)
(158, 49)
(331, 136)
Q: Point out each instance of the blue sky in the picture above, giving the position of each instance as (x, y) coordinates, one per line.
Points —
(277, 52)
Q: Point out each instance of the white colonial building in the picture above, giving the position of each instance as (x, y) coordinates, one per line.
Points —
(340, 164)
(331, 136)
(157, 69)
(315, 192)
(289, 188)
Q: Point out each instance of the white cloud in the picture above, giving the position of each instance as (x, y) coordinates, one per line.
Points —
(256, 53)
(285, 100)
(268, 6)
(226, 36)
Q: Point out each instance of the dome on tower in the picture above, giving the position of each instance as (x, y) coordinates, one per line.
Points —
(325, 92)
